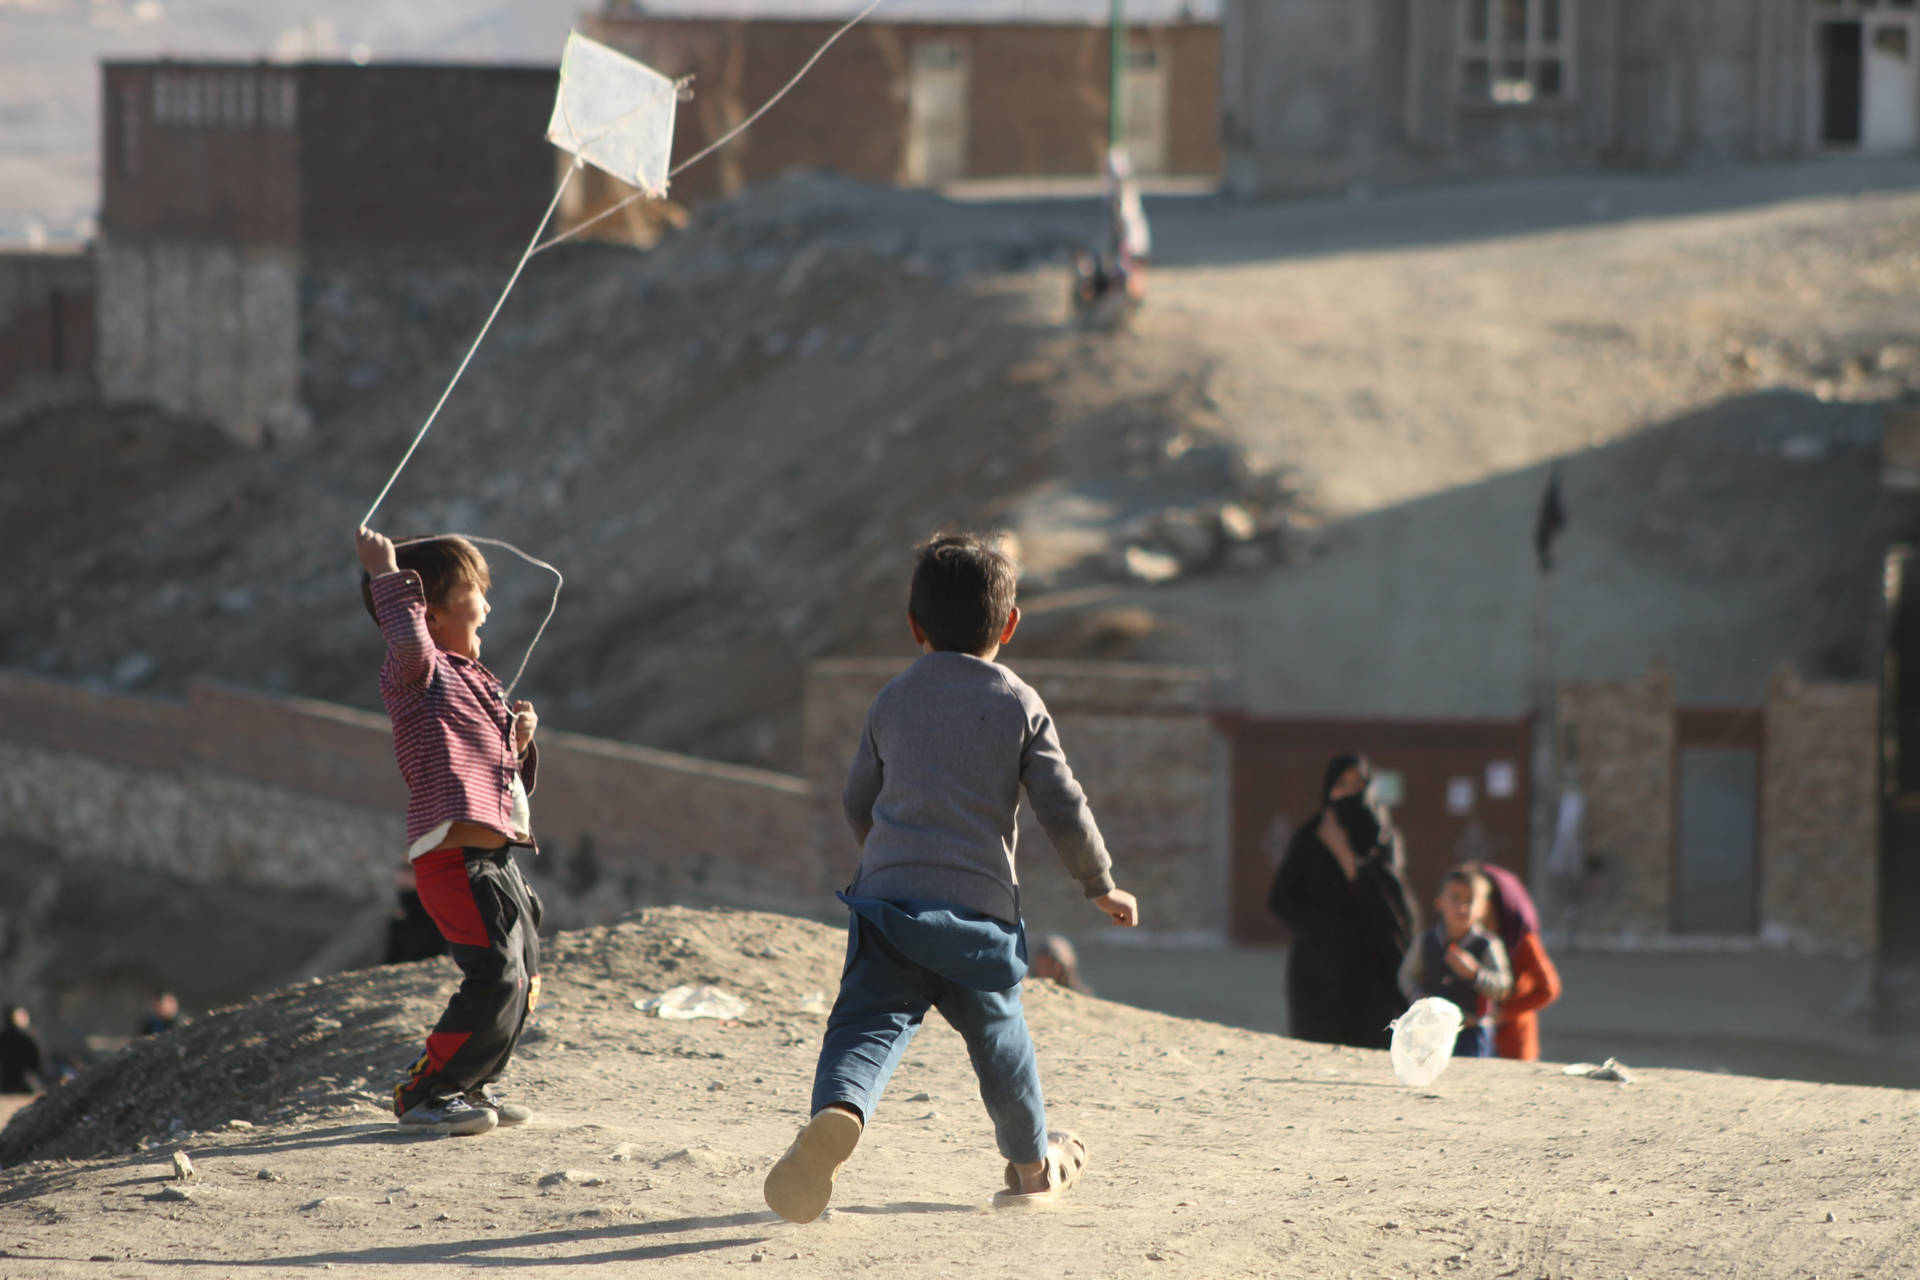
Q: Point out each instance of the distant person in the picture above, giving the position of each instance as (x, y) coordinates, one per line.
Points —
(1458, 960)
(411, 933)
(23, 1060)
(1055, 959)
(933, 797)
(469, 762)
(1341, 889)
(1512, 917)
(1129, 239)
(163, 1014)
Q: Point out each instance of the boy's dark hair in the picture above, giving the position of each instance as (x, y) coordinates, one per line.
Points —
(962, 594)
(1472, 877)
(442, 563)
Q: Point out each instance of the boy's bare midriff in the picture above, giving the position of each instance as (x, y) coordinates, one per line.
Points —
(470, 835)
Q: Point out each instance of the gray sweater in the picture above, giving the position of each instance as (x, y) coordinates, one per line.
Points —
(934, 792)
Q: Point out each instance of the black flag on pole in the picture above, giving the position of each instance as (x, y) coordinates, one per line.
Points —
(1552, 519)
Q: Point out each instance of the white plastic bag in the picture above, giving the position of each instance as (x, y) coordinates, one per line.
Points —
(683, 1003)
(1423, 1039)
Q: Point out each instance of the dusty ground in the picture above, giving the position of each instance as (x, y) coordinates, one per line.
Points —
(1214, 1151)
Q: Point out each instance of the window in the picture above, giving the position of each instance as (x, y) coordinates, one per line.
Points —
(1516, 51)
(241, 100)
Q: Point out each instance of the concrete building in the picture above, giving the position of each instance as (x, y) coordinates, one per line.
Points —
(274, 237)
(927, 91)
(1317, 95)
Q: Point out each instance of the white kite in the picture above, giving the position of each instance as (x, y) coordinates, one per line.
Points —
(615, 114)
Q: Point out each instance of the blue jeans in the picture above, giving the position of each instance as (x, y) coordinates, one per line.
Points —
(884, 997)
(1473, 1042)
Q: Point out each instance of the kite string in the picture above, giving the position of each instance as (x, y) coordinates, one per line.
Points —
(558, 582)
(518, 267)
(534, 246)
(725, 138)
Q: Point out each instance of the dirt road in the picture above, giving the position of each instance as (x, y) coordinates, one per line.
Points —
(1215, 1151)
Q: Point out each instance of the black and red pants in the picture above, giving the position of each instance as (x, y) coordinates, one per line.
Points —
(490, 918)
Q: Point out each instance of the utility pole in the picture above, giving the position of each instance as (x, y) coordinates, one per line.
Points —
(1117, 76)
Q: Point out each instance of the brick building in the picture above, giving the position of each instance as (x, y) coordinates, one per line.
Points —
(272, 236)
(1316, 94)
(927, 91)
(46, 328)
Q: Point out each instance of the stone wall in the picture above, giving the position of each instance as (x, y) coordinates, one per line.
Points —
(1142, 745)
(205, 330)
(1819, 821)
(240, 787)
(1617, 746)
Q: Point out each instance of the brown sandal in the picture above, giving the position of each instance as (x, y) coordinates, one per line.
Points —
(1066, 1161)
(801, 1181)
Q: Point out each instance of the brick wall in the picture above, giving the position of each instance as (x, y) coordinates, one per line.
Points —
(1617, 745)
(200, 151)
(46, 328)
(1037, 95)
(446, 161)
(249, 788)
(1819, 822)
(1140, 741)
(331, 157)
(1819, 838)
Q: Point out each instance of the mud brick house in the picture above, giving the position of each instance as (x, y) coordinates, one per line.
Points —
(46, 328)
(275, 236)
(1317, 95)
(927, 91)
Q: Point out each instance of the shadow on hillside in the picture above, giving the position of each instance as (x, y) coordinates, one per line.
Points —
(1723, 542)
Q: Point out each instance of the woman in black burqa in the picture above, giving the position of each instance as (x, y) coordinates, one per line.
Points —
(1342, 890)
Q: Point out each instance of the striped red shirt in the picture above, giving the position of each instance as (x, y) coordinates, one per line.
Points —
(452, 728)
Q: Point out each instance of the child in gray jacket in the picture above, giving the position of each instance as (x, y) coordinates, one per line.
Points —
(933, 795)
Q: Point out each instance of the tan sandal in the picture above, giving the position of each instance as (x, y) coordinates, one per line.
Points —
(1066, 1161)
(801, 1181)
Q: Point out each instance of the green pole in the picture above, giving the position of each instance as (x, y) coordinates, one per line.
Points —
(1116, 76)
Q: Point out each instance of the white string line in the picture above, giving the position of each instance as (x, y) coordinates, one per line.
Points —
(558, 582)
(535, 246)
(518, 267)
(724, 139)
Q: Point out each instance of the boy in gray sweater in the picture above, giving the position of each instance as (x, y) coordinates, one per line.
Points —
(933, 795)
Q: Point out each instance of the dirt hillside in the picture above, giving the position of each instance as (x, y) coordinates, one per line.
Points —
(728, 446)
(1215, 1151)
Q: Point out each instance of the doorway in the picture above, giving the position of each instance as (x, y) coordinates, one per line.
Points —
(1146, 110)
(937, 115)
(1870, 82)
(1716, 848)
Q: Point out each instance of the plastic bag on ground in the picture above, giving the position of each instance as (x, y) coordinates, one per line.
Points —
(1423, 1039)
(684, 1003)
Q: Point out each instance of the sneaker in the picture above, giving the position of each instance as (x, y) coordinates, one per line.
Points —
(448, 1115)
(508, 1112)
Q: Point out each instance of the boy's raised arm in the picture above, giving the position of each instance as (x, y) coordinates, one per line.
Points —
(409, 646)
